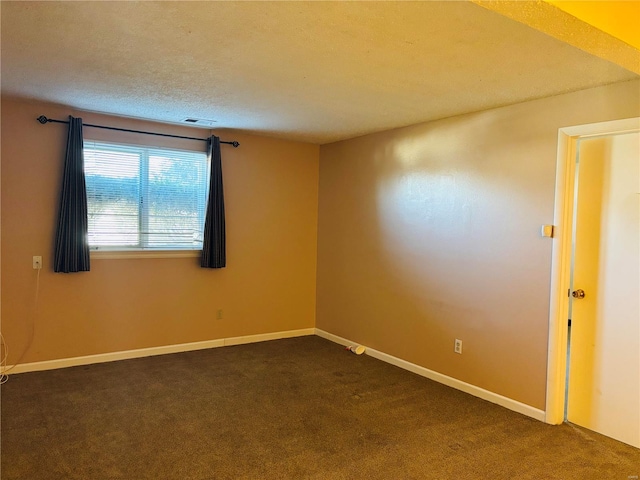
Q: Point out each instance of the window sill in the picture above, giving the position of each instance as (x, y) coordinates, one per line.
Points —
(123, 254)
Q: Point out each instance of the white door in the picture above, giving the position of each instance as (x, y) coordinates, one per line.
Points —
(604, 361)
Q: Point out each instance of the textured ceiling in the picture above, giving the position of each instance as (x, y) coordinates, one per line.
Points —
(310, 71)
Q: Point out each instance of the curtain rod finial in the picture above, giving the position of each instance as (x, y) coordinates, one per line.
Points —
(235, 144)
(42, 119)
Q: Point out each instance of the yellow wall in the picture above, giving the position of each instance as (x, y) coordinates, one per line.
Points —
(432, 232)
(269, 284)
(620, 19)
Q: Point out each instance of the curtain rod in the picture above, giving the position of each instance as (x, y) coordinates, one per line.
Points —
(42, 119)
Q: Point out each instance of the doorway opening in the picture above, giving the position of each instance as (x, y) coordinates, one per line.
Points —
(563, 283)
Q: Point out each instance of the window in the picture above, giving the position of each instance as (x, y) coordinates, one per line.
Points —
(145, 198)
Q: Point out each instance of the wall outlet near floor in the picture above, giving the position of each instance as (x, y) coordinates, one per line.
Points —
(219, 315)
(457, 346)
(37, 262)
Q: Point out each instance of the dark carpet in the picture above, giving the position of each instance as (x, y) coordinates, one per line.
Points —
(301, 408)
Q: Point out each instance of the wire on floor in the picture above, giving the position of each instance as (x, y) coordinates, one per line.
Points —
(4, 351)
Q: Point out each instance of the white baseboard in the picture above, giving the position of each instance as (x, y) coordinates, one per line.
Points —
(222, 342)
(444, 379)
(263, 337)
(148, 352)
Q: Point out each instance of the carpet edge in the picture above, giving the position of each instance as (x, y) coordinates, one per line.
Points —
(474, 390)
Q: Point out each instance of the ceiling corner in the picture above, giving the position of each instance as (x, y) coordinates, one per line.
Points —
(578, 30)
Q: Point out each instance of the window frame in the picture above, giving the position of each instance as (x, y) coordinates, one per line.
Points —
(139, 250)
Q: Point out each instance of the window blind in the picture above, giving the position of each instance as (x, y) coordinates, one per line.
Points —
(145, 197)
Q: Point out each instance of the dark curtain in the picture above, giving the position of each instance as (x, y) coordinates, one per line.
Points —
(214, 243)
(72, 243)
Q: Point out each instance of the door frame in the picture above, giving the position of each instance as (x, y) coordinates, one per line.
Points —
(568, 138)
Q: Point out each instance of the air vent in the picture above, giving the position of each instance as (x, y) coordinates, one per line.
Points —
(199, 122)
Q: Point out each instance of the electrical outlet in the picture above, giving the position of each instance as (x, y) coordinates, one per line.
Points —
(219, 314)
(457, 346)
(37, 262)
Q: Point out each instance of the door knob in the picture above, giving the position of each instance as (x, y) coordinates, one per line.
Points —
(578, 294)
